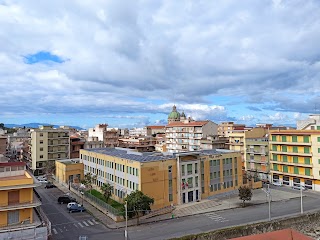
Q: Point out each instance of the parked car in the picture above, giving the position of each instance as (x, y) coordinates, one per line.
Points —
(43, 181)
(298, 187)
(73, 204)
(50, 185)
(76, 208)
(277, 183)
(66, 199)
(41, 178)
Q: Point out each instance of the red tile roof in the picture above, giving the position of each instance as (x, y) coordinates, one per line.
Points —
(285, 234)
(156, 127)
(191, 124)
(7, 164)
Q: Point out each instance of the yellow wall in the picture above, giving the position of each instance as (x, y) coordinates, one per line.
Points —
(15, 182)
(26, 195)
(25, 214)
(3, 219)
(63, 171)
(155, 182)
(3, 198)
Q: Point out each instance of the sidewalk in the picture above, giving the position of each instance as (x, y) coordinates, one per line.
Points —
(205, 206)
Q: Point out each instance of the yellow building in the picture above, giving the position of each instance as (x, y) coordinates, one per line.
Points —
(171, 179)
(295, 157)
(69, 171)
(48, 144)
(17, 200)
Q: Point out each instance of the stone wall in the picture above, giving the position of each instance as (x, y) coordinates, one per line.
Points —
(308, 224)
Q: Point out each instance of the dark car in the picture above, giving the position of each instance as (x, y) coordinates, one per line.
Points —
(66, 199)
(76, 208)
(50, 185)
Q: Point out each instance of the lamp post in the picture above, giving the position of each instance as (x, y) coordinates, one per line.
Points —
(126, 229)
(269, 200)
(301, 199)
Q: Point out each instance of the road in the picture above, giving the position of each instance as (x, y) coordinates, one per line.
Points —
(216, 220)
(69, 226)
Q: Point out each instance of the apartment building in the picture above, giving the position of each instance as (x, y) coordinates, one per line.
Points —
(141, 144)
(312, 123)
(48, 144)
(237, 141)
(214, 142)
(109, 136)
(154, 130)
(257, 157)
(295, 157)
(225, 128)
(76, 144)
(171, 179)
(93, 142)
(69, 171)
(19, 216)
(160, 145)
(186, 136)
(3, 144)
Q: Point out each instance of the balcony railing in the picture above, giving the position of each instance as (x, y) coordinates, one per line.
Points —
(14, 206)
(292, 163)
(292, 153)
(291, 174)
(291, 143)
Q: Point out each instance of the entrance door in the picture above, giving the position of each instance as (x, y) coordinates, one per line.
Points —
(13, 197)
(190, 196)
(183, 197)
(197, 194)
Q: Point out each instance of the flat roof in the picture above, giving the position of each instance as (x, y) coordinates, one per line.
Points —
(153, 156)
(7, 164)
(69, 161)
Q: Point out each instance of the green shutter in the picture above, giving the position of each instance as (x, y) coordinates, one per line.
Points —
(306, 160)
(285, 158)
(306, 139)
(274, 157)
(295, 159)
(274, 147)
(318, 127)
(274, 138)
(275, 167)
(284, 148)
(284, 138)
(306, 150)
(295, 149)
(294, 139)
(307, 171)
(296, 170)
(285, 169)
(318, 139)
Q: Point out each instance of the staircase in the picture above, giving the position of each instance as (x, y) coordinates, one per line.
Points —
(158, 212)
(194, 208)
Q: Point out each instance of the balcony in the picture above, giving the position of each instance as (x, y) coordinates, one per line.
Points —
(249, 151)
(292, 163)
(291, 143)
(291, 174)
(15, 206)
(292, 153)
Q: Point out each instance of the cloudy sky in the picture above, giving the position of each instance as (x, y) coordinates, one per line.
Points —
(127, 62)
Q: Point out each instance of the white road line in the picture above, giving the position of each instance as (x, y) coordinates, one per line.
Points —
(91, 223)
(85, 223)
(54, 231)
(80, 224)
(60, 230)
(76, 225)
(95, 221)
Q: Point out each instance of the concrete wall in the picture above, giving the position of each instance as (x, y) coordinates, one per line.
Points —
(300, 223)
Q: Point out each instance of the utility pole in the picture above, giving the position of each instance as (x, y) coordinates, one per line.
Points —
(126, 230)
(269, 200)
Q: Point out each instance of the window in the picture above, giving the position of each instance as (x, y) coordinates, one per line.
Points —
(170, 169)
(284, 138)
(41, 149)
(274, 157)
(284, 148)
(318, 161)
(211, 176)
(306, 139)
(318, 139)
(211, 188)
(306, 160)
(196, 181)
(274, 147)
(41, 156)
(318, 127)
(295, 149)
(274, 138)
(306, 150)
(296, 170)
(189, 169)
(196, 168)
(275, 167)
(294, 139)
(41, 141)
(182, 169)
(295, 159)
(285, 169)
(285, 158)
(170, 197)
(41, 134)
(307, 171)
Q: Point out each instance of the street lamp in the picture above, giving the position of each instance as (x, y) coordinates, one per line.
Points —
(268, 192)
(301, 199)
(126, 230)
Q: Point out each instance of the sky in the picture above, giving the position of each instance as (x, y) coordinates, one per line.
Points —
(126, 63)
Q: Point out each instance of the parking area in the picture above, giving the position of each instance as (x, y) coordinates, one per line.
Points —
(67, 225)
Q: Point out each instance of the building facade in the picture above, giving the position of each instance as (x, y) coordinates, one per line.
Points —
(295, 157)
(3, 144)
(69, 171)
(171, 179)
(141, 144)
(18, 203)
(76, 144)
(48, 145)
(225, 128)
(155, 130)
(312, 123)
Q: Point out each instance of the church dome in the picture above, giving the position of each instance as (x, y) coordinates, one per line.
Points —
(174, 114)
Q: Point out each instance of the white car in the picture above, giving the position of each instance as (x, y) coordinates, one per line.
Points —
(41, 178)
(43, 181)
(73, 204)
(277, 183)
(297, 187)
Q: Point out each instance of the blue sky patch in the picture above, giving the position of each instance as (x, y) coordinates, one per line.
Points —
(42, 57)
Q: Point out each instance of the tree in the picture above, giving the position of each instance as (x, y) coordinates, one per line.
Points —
(88, 180)
(106, 189)
(138, 203)
(49, 169)
(245, 194)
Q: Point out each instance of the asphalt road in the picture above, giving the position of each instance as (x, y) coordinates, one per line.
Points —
(216, 220)
(69, 226)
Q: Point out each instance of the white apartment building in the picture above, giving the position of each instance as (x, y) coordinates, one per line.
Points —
(312, 123)
(47, 144)
(186, 136)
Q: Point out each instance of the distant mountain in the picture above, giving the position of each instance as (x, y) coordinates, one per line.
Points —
(35, 125)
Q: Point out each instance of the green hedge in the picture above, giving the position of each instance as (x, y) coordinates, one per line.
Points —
(111, 202)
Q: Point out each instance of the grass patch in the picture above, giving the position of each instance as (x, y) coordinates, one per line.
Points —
(113, 203)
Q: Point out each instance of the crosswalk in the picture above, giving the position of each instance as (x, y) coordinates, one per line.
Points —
(81, 224)
(216, 217)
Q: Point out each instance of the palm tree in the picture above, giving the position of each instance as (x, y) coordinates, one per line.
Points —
(107, 190)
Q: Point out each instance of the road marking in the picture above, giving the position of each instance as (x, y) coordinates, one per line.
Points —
(60, 230)
(85, 223)
(76, 225)
(66, 229)
(95, 221)
(91, 223)
(80, 224)
(54, 231)
(216, 217)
